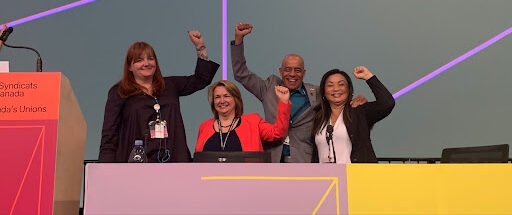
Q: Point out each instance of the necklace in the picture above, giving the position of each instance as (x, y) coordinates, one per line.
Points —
(223, 142)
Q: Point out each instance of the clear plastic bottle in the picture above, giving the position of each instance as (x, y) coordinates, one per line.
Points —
(138, 155)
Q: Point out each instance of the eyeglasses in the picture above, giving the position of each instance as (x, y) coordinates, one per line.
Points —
(289, 69)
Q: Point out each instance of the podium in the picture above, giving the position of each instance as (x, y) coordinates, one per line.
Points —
(42, 139)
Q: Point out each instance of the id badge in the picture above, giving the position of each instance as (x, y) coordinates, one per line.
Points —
(286, 141)
(158, 129)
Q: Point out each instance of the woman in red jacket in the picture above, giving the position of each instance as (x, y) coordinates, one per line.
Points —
(239, 132)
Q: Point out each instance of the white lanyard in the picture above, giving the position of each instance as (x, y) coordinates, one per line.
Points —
(223, 142)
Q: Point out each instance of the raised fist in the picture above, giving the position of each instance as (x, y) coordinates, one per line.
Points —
(282, 93)
(196, 38)
(241, 29)
(362, 72)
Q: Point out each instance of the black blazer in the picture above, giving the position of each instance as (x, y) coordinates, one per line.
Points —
(364, 117)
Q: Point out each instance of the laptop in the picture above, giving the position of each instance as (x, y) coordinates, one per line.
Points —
(232, 157)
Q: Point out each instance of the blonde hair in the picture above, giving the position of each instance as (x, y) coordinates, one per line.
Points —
(233, 90)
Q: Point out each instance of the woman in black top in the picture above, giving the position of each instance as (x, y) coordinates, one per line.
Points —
(143, 97)
(350, 127)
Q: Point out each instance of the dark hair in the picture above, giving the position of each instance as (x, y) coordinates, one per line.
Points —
(233, 90)
(323, 110)
(127, 85)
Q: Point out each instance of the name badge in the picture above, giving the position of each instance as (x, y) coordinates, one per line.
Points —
(158, 129)
(286, 141)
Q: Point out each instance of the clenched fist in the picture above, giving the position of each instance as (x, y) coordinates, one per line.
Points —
(242, 29)
(362, 72)
(196, 38)
(282, 93)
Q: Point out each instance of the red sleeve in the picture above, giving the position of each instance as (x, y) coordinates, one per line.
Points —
(278, 130)
(203, 134)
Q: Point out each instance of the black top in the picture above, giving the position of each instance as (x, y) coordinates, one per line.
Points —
(127, 119)
(364, 117)
(232, 143)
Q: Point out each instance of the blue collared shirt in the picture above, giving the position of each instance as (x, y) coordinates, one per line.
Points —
(300, 102)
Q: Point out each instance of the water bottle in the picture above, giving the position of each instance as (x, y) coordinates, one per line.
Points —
(138, 155)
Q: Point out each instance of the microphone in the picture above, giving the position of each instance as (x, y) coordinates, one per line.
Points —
(6, 34)
(328, 136)
(3, 37)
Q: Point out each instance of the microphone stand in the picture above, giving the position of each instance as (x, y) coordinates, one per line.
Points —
(333, 150)
(39, 61)
(331, 144)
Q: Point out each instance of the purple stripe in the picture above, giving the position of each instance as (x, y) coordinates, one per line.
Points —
(452, 63)
(48, 12)
(224, 39)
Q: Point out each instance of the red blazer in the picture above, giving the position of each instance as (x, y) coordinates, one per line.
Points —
(252, 129)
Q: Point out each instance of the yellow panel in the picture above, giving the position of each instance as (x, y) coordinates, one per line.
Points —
(429, 188)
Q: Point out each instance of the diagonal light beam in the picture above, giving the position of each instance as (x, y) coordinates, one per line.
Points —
(48, 12)
(452, 63)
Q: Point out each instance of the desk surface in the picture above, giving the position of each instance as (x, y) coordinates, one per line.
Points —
(193, 188)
